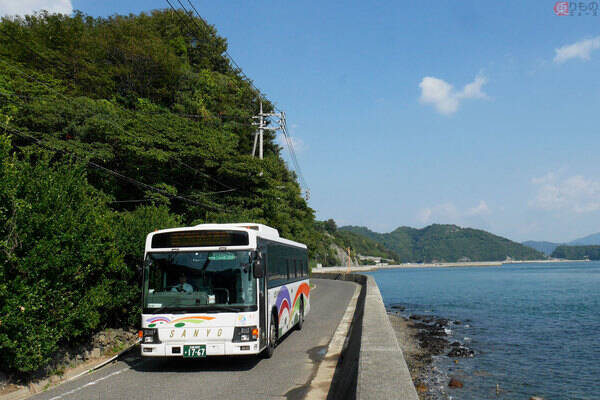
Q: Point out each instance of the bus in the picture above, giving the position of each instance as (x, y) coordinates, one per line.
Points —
(221, 289)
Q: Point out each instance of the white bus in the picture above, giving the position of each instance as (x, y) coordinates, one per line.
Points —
(221, 289)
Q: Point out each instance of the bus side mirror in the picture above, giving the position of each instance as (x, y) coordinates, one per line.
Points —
(258, 270)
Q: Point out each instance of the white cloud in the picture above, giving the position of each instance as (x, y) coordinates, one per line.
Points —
(576, 193)
(424, 215)
(27, 7)
(449, 213)
(444, 98)
(473, 90)
(481, 209)
(581, 49)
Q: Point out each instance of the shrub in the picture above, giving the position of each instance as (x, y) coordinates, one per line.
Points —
(62, 275)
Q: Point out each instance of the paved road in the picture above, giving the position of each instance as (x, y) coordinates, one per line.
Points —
(281, 377)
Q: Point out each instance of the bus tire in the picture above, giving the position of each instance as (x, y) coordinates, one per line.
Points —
(272, 337)
(301, 316)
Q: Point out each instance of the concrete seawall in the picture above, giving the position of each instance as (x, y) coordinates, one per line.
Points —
(372, 360)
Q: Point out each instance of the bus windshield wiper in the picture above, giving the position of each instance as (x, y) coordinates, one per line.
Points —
(163, 308)
(220, 308)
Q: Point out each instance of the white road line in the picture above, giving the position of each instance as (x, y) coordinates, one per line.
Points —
(90, 384)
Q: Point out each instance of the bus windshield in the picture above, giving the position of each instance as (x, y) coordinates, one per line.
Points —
(199, 281)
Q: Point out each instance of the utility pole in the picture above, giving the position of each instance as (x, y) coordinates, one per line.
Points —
(281, 124)
(258, 135)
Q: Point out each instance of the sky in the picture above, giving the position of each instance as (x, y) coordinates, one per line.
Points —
(480, 114)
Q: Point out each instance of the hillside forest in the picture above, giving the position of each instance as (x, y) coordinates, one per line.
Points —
(112, 128)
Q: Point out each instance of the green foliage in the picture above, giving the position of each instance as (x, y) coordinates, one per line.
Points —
(363, 245)
(330, 226)
(132, 227)
(447, 243)
(577, 252)
(62, 275)
(141, 96)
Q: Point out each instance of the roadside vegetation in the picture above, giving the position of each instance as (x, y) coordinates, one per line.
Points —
(111, 128)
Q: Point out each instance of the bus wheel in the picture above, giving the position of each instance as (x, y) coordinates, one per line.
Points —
(301, 316)
(272, 337)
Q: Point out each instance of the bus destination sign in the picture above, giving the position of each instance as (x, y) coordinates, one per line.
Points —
(199, 239)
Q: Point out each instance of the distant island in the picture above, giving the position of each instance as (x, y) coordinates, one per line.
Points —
(549, 247)
(444, 243)
(577, 252)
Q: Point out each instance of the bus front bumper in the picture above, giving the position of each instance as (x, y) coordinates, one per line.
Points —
(212, 349)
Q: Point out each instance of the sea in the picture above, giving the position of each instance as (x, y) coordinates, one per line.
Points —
(535, 328)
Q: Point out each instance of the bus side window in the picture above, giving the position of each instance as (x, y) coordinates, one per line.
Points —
(295, 269)
(287, 269)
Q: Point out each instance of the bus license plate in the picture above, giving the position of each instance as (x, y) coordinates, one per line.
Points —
(194, 351)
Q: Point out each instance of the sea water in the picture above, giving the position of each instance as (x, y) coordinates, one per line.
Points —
(535, 328)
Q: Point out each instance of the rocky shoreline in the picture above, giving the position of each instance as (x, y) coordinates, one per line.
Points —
(423, 337)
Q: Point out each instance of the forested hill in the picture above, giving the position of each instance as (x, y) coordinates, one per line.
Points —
(577, 252)
(549, 247)
(362, 245)
(447, 243)
(112, 128)
(156, 100)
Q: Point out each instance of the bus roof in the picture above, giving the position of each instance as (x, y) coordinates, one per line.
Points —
(253, 229)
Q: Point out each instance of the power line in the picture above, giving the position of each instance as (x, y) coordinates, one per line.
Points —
(239, 70)
(65, 64)
(230, 189)
(110, 171)
(281, 125)
(290, 144)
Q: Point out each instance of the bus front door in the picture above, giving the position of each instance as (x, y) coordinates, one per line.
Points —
(262, 312)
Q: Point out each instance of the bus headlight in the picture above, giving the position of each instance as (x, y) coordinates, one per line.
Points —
(150, 335)
(245, 334)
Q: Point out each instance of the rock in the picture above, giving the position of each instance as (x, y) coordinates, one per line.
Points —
(536, 398)
(435, 345)
(397, 307)
(420, 325)
(438, 332)
(418, 317)
(457, 322)
(95, 353)
(455, 384)
(102, 339)
(461, 352)
(421, 388)
(455, 344)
